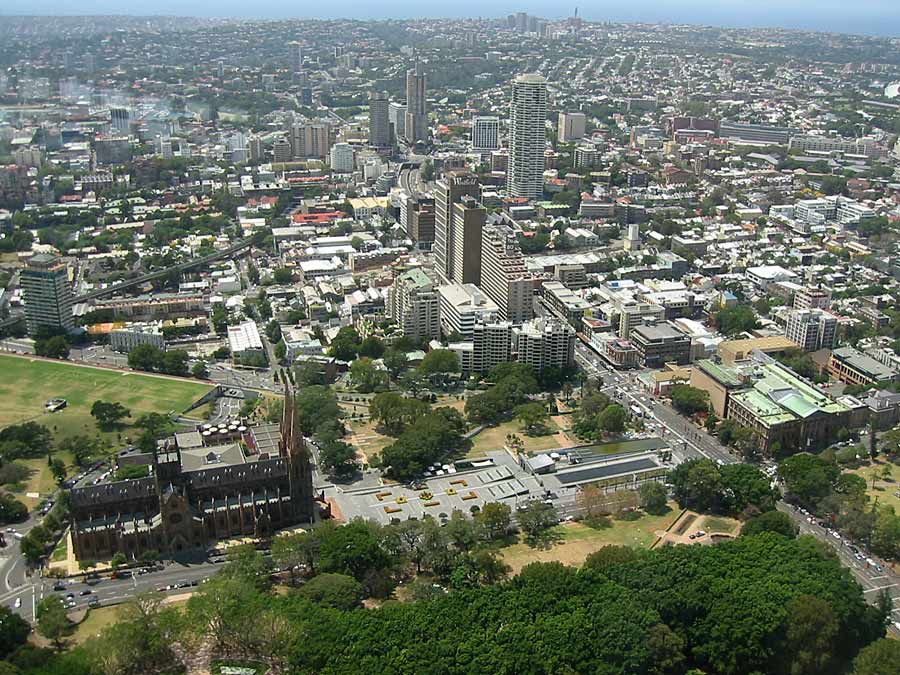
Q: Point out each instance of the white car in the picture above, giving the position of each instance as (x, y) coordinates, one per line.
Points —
(17, 603)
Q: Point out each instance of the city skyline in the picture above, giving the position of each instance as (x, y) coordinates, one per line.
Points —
(871, 17)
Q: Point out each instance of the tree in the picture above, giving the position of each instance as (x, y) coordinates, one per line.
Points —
(689, 400)
(58, 469)
(366, 376)
(108, 415)
(52, 621)
(282, 275)
(879, 658)
(14, 632)
(440, 361)
(771, 521)
(345, 345)
(200, 371)
(532, 416)
(353, 549)
(371, 347)
(338, 458)
(610, 555)
(536, 517)
(744, 485)
(654, 497)
(736, 319)
(11, 509)
(333, 590)
(55, 347)
(495, 518)
(612, 419)
(396, 412)
(395, 361)
(145, 357)
(696, 484)
(811, 628)
(808, 478)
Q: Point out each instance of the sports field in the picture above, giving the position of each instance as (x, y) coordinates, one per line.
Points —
(25, 385)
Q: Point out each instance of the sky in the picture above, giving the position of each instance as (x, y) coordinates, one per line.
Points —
(875, 17)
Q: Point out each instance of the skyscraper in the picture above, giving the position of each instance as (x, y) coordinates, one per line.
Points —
(527, 134)
(379, 122)
(119, 121)
(413, 303)
(416, 115)
(485, 133)
(312, 139)
(47, 293)
(468, 222)
(449, 191)
(397, 118)
(295, 56)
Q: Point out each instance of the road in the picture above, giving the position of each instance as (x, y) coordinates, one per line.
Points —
(872, 581)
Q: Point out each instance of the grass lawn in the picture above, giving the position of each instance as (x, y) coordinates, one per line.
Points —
(575, 541)
(26, 386)
(96, 620)
(721, 525)
(885, 490)
(494, 438)
(366, 439)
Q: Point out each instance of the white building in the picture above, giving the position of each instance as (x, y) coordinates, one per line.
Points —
(464, 305)
(244, 340)
(125, 339)
(545, 343)
(812, 329)
(342, 158)
(412, 302)
(527, 137)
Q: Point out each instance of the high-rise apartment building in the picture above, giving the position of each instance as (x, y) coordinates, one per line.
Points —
(379, 121)
(812, 298)
(282, 151)
(527, 135)
(811, 329)
(545, 343)
(341, 158)
(491, 345)
(449, 191)
(468, 221)
(47, 293)
(312, 139)
(295, 56)
(504, 276)
(571, 126)
(413, 303)
(463, 306)
(485, 133)
(119, 121)
(416, 127)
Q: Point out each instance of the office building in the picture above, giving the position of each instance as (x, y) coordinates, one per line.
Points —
(119, 121)
(342, 158)
(571, 126)
(311, 139)
(413, 303)
(245, 341)
(112, 150)
(563, 302)
(545, 343)
(851, 366)
(661, 343)
(448, 192)
(868, 146)
(379, 122)
(420, 218)
(485, 133)
(759, 134)
(812, 298)
(282, 151)
(467, 224)
(462, 307)
(416, 126)
(811, 329)
(504, 276)
(397, 119)
(527, 135)
(47, 293)
(632, 314)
